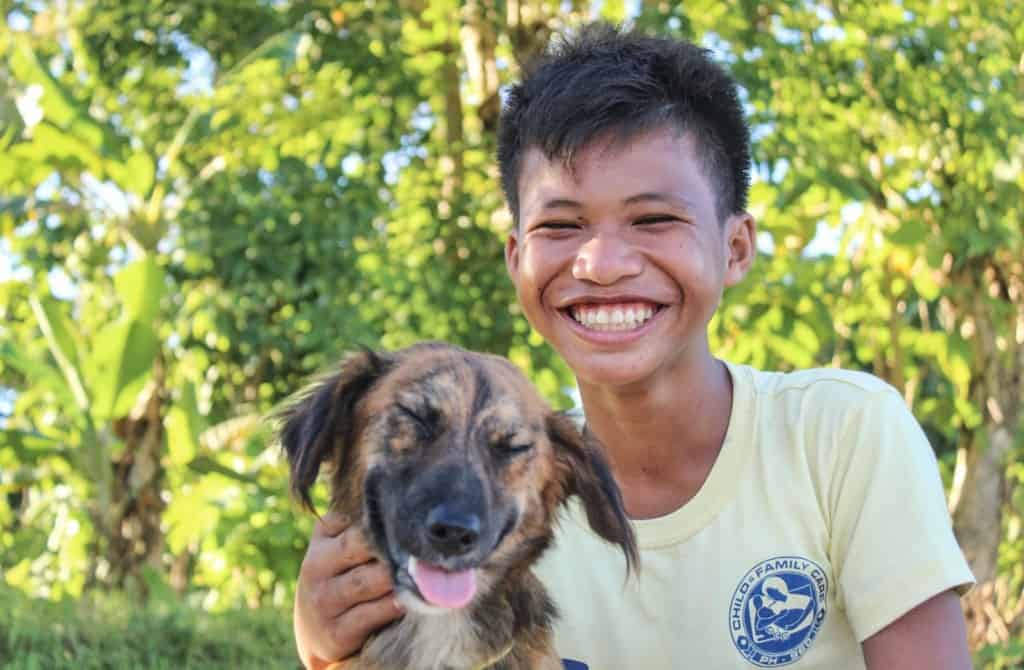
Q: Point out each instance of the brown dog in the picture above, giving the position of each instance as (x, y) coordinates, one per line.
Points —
(456, 469)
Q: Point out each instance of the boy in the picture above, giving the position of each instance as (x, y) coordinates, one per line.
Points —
(782, 519)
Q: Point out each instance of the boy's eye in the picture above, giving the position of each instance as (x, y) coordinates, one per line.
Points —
(555, 229)
(650, 220)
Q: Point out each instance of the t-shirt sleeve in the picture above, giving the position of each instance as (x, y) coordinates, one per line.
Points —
(892, 544)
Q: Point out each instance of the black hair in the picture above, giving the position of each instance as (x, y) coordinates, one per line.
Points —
(602, 79)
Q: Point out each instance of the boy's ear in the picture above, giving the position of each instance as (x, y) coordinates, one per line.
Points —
(741, 249)
(512, 255)
(582, 463)
(319, 424)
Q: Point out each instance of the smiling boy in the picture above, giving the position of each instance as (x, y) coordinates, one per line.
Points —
(782, 519)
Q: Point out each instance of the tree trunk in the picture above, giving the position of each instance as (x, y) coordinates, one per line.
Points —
(453, 128)
(130, 531)
(479, 44)
(993, 613)
(978, 524)
(978, 515)
(528, 29)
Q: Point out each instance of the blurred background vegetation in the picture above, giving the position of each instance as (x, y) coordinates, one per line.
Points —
(203, 203)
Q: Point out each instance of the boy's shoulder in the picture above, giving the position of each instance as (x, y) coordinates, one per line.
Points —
(818, 381)
(829, 411)
(822, 393)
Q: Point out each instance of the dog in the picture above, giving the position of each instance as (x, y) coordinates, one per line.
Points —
(455, 469)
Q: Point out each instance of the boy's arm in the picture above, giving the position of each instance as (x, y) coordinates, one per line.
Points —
(897, 563)
(931, 636)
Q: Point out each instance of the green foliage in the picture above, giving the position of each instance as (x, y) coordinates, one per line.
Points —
(1008, 656)
(113, 632)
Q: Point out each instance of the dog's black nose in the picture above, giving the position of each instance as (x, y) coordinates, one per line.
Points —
(452, 532)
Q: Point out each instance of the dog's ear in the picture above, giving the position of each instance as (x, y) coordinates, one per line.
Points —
(588, 475)
(322, 418)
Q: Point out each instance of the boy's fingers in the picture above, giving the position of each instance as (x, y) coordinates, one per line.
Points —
(353, 547)
(350, 589)
(343, 593)
(362, 584)
(355, 625)
(329, 556)
(330, 524)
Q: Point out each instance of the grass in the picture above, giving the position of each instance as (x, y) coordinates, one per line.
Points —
(112, 633)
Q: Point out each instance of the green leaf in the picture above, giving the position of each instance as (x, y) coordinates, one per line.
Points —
(63, 348)
(207, 465)
(613, 11)
(40, 373)
(850, 188)
(58, 105)
(970, 415)
(790, 351)
(60, 108)
(13, 206)
(181, 441)
(90, 133)
(62, 331)
(184, 425)
(787, 196)
(52, 144)
(137, 175)
(123, 356)
(925, 284)
(804, 335)
(910, 232)
(29, 447)
(141, 286)
(283, 47)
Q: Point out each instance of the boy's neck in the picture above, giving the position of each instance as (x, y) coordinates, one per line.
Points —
(663, 439)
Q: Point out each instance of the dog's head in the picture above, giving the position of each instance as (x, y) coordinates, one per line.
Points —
(453, 463)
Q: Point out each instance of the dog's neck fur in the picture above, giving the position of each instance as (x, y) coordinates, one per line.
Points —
(471, 638)
(440, 642)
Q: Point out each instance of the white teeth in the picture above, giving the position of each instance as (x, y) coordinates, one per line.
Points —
(612, 318)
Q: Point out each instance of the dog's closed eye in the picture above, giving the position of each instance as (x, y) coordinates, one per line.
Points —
(508, 440)
(426, 419)
(512, 447)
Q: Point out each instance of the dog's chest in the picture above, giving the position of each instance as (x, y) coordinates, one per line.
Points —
(429, 642)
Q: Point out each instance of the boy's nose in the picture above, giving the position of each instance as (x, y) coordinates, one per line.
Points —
(605, 259)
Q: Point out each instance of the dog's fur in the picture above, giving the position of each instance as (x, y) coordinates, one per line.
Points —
(437, 427)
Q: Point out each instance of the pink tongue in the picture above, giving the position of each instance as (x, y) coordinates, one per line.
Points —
(442, 588)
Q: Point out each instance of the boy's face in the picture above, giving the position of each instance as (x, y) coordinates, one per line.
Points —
(620, 263)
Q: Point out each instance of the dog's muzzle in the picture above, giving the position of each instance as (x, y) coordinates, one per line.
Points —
(439, 526)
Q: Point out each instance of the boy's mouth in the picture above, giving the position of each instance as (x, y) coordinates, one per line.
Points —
(622, 316)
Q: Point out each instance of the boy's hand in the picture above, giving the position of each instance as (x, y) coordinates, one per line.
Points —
(343, 594)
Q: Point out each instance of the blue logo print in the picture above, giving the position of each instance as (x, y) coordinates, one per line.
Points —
(777, 610)
(569, 664)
